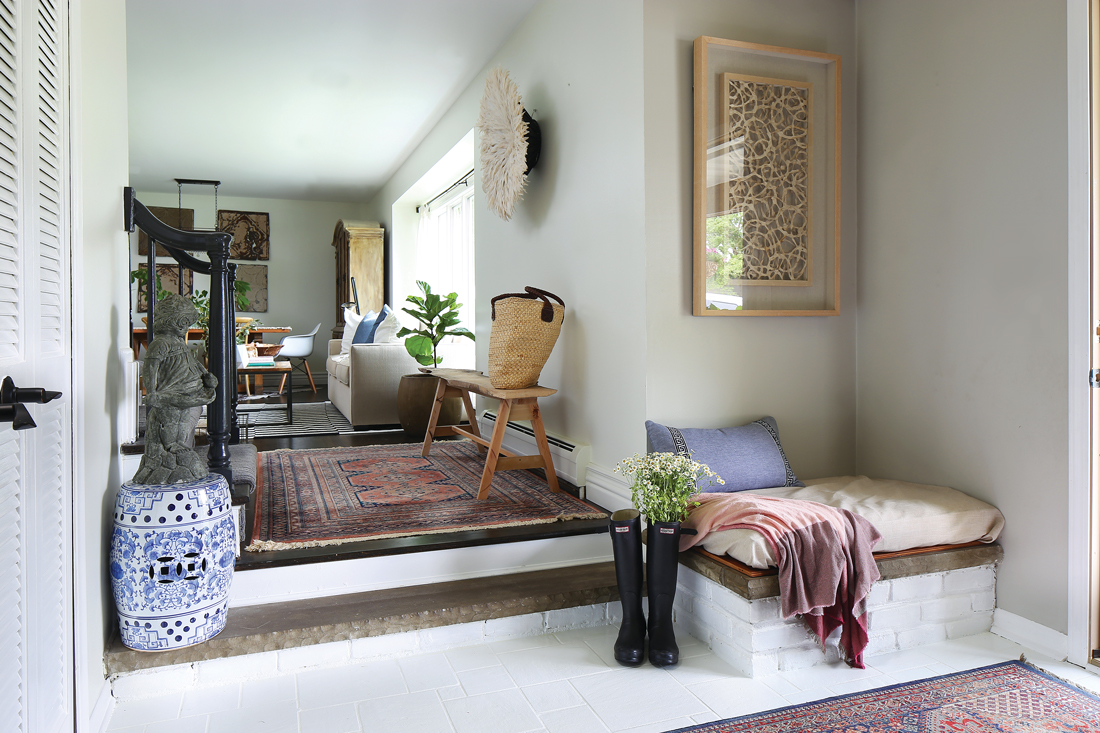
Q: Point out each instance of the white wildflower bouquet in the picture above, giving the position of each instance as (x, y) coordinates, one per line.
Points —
(664, 483)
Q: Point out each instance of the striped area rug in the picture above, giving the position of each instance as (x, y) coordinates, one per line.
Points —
(310, 418)
(1007, 698)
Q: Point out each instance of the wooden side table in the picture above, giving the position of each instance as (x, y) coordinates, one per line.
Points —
(281, 368)
(515, 404)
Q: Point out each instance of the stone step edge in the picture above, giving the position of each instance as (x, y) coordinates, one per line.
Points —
(280, 627)
(153, 682)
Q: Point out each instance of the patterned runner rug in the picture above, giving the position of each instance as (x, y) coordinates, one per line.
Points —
(1009, 698)
(328, 496)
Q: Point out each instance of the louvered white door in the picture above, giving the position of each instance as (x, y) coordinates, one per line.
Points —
(36, 627)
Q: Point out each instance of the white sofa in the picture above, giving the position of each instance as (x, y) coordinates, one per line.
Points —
(363, 383)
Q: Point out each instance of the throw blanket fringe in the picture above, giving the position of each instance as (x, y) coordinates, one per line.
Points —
(825, 563)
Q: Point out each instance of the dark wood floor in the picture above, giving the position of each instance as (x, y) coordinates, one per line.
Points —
(382, 547)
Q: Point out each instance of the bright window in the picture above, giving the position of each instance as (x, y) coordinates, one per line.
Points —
(445, 254)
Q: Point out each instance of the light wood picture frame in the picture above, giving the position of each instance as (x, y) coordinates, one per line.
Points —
(766, 203)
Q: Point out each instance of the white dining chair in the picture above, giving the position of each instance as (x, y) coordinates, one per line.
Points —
(299, 347)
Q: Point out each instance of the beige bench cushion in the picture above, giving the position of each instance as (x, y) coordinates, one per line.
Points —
(906, 515)
(339, 367)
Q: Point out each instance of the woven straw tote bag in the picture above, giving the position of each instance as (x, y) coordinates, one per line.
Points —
(525, 328)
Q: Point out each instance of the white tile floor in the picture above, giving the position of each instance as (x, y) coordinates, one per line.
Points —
(567, 681)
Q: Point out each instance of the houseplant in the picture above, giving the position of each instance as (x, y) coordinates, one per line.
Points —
(142, 277)
(201, 301)
(437, 317)
(663, 486)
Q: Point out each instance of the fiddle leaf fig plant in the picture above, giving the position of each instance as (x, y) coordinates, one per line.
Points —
(437, 317)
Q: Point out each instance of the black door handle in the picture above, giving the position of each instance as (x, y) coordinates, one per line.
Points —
(10, 394)
(11, 397)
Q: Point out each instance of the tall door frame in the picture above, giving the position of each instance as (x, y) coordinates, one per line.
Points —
(1083, 61)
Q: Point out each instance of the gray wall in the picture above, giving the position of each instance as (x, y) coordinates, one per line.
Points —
(714, 372)
(579, 231)
(963, 268)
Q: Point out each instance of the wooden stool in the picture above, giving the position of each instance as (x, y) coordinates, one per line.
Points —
(515, 404)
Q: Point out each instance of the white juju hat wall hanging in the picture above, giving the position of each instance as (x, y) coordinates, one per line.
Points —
(510, 143)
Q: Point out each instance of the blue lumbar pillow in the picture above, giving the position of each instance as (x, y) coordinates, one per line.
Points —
(377, 322)
(746, 457)
(362, 331)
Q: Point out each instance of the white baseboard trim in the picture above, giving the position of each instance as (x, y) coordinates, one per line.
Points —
(570, 458)
(607, 489)
(1026, 632)
(101, 713)
(298, 582)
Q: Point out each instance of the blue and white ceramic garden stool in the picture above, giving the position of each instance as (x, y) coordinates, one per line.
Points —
(172, 555)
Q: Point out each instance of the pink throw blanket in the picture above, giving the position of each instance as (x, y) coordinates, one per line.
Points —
(825, 563)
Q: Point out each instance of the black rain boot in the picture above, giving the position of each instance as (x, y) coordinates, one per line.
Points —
(626, 541)
(662, 557)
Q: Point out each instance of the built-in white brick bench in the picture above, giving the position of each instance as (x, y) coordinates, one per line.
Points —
(920, 599)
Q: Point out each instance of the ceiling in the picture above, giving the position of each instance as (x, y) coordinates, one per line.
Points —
(318, 100)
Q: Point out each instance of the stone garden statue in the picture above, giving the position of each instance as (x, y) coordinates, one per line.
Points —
(176, 386)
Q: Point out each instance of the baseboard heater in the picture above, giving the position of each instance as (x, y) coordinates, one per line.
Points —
(570, 458)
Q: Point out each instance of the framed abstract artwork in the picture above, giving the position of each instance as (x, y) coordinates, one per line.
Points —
(169, 280)
(183, 219)
(766, 217)
(256, 277)
(251, 232)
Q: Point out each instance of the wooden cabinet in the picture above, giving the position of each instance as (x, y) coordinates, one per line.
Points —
(360, 253)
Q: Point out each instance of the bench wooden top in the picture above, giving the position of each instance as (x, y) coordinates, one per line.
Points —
(478, 383)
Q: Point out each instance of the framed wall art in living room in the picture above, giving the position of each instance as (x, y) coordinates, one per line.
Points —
(256, 277)
(177, 218)
(169, 280)
(766, 208)
(251, 232)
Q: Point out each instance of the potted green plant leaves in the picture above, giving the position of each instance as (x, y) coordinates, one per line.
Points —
(437, 317)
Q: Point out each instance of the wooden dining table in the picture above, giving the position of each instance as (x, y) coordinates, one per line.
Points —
(141, 339)
(141, 335)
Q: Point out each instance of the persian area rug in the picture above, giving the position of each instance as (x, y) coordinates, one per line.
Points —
(1007, 698)
(329, 496)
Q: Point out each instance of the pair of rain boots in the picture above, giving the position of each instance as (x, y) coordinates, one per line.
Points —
(662, 550)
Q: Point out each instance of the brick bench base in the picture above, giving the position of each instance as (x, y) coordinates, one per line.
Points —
(921, 599)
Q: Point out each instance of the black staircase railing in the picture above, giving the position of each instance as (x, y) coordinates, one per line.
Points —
(221, 354)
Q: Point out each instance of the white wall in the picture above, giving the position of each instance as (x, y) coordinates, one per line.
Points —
(579, 231)
(102, 314)
(716, 372)
(963, 265)
(302, 270)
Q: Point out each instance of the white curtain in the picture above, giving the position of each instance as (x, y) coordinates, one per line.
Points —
(445, 259)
